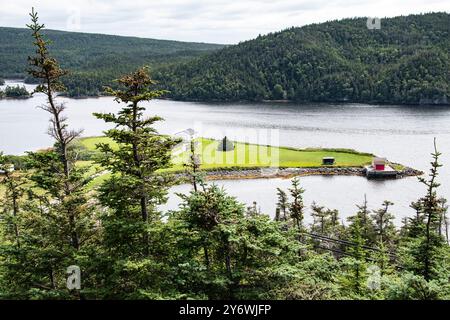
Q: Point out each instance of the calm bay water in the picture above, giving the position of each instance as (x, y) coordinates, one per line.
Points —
(401, 133)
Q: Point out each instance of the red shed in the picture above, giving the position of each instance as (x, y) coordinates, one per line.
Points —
(379, 164)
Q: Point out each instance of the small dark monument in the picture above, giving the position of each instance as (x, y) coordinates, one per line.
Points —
(327, 161)
(225, 145)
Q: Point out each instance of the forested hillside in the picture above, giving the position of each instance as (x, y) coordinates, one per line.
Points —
(406, 61)
(62, 237)
(94, 59)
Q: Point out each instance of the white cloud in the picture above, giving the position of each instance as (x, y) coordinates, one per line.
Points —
(220, 21)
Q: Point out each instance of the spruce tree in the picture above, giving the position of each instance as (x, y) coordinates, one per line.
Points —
(56, 226)
(135, 187)
(358, 255)
(320, 216)
(14, 189)
(282, 203)
(57, 163)
(296, 206)
(383, 224)
(229, 254)
(425, 253)
(365, 221)
(386, 236)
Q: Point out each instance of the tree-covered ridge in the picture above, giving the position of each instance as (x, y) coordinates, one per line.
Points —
(406, 61)
(94, 59)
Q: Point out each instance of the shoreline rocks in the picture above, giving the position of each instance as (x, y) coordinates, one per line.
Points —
(287, 173)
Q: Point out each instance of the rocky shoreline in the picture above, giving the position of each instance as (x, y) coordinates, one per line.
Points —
(287, 173)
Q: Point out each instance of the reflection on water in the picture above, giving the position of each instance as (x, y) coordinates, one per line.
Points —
(401, 133)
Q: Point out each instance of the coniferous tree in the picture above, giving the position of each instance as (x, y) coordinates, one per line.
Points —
(365, 221)
(136, 158)
(320, 216)
(47, 71)
(383, 224)
(296, 206)
(56, 225)
(282, 203)
(356, 262)
(135, 188)
(414, 224)
(253, 210)
(241, 256)
(426, 253)
(386, 236)
(14, 184)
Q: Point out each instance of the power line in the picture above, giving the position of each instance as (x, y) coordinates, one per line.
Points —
(345, 242)
(353, 256)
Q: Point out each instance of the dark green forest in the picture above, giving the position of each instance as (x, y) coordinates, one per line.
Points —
(94, 59)
(406, 62)
(211, 246)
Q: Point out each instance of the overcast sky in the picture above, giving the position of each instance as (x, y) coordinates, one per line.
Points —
(218, 21)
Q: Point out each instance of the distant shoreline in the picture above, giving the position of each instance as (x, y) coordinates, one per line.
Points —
(285, 101)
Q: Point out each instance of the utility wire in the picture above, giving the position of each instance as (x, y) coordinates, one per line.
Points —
(345, 242)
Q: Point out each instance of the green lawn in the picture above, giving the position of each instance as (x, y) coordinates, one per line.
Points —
(90, 142)
(244, 155)
(247, 155)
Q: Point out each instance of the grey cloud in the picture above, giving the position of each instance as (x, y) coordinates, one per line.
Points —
(224, 21)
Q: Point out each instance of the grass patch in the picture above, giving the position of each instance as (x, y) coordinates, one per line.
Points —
(247, 155)
(397, 166)
(244, 156)
(90, 142)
